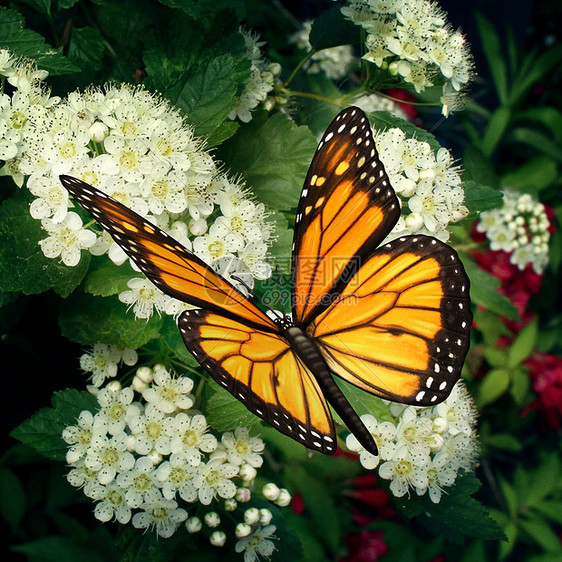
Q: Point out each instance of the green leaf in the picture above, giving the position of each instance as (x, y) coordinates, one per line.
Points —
(42, 6)
(58, 549)
(523, 345)
(457, 515)
(274, 155)
(207, 95)
(535, 70)
(23, 266)
(25, 42)
(495, 130)
(87, 320)
(549, 117)
(86, 48)
(109, 279)
(552, 509)
(12, 498)
(478, 167)
(331, 29)
(520, 386)
(494, 384)
(319, 503)
(503, 442)
(542, 533)
(545, 480)
(484, 291)
(479, 198)
(382, 120)
(226, 413)
(533, 176)
(43, 430)
(494, 54)
(536, 141)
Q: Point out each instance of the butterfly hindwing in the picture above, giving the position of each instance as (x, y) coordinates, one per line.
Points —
(261, 370)
(172, 268)
(401, 327)
(346, 209)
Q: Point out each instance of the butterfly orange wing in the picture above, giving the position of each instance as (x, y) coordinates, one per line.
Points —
(172, 268)
(260, 369)
(346, 209)
(401, 327)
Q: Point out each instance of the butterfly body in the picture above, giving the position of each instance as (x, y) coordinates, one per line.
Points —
(393, 320)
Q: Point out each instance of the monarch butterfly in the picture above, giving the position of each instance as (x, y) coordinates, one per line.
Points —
(393, 320)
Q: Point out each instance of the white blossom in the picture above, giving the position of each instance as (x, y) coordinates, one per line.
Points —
(161, 514)
(259, 543)
(520, 227)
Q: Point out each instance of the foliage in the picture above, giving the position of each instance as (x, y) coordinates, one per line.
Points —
(193, 53)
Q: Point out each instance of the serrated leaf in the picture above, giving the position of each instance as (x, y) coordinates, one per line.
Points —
(21, 41)
(226, 413)
(479, 198)
(484, 291)
(207, 95)
(274, 155)
(108, 279)
(87, 320)
(332, 29)
(86, 48)
(43, 430)
(23, 266)
(457, 515)
(494, 384)
(382, 120)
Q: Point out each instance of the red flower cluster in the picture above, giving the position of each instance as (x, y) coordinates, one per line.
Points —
(366, 546)
(371, 501)
(517, 285)
(545, 372)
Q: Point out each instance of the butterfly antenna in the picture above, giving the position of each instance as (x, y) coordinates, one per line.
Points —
(282, 291)
(253, 293)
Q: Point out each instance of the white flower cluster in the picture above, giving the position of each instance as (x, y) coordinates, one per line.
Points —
(427, 184)
(261, 81)
(520, 226)
(423, 448)
(413, 39)
(334, 62)
(135, 147)
(146, 450)
(103, 361)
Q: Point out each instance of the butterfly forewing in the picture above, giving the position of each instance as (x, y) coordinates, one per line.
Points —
(173, 269)
(346, 209)
(401, 327)
(261, 370)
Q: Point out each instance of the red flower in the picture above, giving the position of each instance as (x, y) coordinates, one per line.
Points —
(367, 546)
(517, 285)
(371, 501)
(545, 372)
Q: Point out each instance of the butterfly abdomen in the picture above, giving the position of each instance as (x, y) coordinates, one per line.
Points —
(307, 351)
